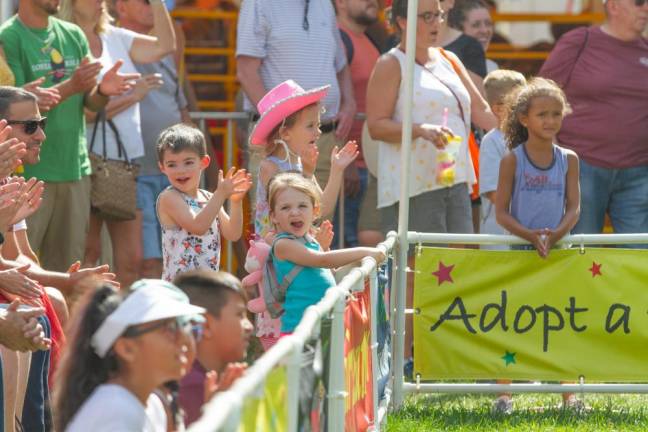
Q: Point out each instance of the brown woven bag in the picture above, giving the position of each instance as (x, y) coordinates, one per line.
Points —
(113, 186)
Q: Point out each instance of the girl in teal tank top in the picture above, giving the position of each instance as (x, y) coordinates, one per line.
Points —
(294, 205)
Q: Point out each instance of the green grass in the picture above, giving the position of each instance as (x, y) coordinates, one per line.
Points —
(530, 413)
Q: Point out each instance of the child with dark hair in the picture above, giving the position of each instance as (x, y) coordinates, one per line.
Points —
(192, 219)
(224, 340)
(121, 348)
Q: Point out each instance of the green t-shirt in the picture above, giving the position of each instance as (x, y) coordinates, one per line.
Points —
(54, 52)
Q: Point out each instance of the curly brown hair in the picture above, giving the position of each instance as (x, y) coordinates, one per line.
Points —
(518, 104)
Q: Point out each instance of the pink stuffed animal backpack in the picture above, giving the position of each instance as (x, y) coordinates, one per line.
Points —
(262, 273)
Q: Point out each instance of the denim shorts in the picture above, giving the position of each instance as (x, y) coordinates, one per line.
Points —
(623, 193)
(148, 189)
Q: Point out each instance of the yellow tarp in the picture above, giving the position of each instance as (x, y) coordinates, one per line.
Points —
(572, 314)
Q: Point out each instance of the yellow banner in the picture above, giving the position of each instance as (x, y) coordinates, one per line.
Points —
(512, 315)
(269, 411)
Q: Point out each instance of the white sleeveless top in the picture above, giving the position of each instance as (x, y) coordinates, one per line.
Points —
(432, 94)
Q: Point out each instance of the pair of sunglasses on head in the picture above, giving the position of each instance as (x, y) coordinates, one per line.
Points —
(30, 126)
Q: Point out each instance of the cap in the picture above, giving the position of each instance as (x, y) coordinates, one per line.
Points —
(150, 300)
(171, 290)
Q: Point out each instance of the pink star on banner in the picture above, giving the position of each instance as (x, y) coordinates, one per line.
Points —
(596, 269)
(443, 273)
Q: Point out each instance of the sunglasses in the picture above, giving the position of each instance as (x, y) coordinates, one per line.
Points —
(170, 327)
(30, 126)
(640, 3)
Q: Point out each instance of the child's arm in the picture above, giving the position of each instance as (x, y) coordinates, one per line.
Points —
(295, 252)
(503, 204)
(267, 169)
(231, 225)
(572, 205)
(340, 159)
(173, 209)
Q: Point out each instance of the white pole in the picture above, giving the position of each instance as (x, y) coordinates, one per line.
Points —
(337, 387)
(403, 208)
(373, 304)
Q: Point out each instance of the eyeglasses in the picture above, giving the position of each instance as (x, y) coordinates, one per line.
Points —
(30, 126)
(170, 327)
(430, 17)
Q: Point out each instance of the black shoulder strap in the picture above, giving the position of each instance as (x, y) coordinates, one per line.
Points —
(348, 45)
(375, 43)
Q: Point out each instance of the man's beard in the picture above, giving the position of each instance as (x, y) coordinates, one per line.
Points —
(364, 19)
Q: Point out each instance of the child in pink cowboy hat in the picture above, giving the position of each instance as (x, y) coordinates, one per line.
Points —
(287, 131)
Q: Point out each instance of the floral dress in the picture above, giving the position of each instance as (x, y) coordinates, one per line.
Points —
(262, 211)
(183, 251)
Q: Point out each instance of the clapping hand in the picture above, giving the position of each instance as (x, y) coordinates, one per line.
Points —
(234, 184)
(340, 159)
(324, 235)
(15, 281)
(34, 193)
(145, 84)
(85, 76)
(77, 274)
(114, 83)
(21, 330)
(243, 187)
(11, 150)
(48, 98)
(216, 382)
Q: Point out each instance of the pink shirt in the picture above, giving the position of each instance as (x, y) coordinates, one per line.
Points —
(365, 56)
(608, 92)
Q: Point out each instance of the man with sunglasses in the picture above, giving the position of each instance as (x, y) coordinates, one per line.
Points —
(39, 45)
(604, 72)
(20, 110)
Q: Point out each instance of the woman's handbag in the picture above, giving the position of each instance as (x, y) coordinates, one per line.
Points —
(113, 190)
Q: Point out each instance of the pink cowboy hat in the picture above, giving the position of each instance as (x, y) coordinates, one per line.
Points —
(280, 102)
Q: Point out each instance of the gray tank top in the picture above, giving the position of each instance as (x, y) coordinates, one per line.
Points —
(538, 196)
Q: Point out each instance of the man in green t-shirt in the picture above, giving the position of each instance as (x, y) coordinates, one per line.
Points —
(36, 44)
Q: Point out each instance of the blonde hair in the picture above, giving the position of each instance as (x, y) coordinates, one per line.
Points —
(287, 122)
(291, 180)
(500, 83)
(520, 103)
(66, 12)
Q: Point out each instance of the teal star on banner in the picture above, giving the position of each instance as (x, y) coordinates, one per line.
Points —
(509, 358)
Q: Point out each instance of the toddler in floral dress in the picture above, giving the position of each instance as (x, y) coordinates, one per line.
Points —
(193, 219)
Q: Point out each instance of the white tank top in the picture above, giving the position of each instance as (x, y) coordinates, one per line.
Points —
(434, 86)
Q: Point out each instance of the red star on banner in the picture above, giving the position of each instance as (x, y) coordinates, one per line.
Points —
(443, 273)
(596, 269)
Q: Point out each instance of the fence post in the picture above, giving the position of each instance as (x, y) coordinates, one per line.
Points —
(293, 375)
(337, 387)
(229, 160)
(373, 301)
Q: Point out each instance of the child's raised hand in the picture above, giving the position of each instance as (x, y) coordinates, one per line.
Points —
(324, 235)
(309, 160)
(243, 187)
(215, 382)
(340, 159)
(232, 183)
